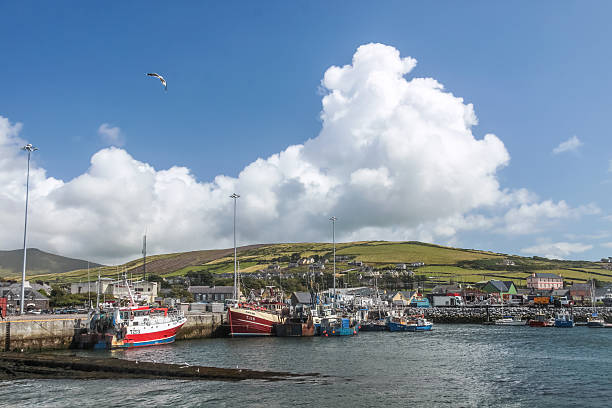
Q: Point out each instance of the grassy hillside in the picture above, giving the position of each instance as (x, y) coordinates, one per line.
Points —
(442, 264)
(38, 262)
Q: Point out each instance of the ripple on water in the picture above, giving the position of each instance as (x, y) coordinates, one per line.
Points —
(455, 365)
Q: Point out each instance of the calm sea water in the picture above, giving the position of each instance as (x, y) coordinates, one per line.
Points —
(454, 365)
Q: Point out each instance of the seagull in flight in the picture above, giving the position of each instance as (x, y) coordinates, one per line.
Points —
(161, 78)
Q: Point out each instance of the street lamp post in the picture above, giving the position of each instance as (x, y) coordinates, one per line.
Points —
(235, 197)
(29, 148)
(333, 220)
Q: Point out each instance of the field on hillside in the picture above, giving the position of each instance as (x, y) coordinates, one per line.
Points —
(442, 264)
(408, 252)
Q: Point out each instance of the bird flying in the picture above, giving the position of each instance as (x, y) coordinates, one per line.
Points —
(161, 78)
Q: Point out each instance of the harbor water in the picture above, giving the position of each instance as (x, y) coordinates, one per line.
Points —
(453, 365)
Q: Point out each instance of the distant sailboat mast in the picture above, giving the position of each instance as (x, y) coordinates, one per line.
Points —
(144, 257)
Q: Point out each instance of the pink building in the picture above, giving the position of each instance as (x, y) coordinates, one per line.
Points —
(544, 281)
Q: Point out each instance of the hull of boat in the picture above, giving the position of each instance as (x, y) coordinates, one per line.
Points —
(249, 322)
(341, 331)
(294, 329)
(400, 327)
(373, 327)
(596, 325)
(148, 338)
(510, 323)
(426, 327)
(535, 323)
(564, 323)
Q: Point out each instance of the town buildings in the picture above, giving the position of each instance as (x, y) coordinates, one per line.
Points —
(544, 281)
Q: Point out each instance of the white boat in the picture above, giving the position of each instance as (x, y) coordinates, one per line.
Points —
(510, 321)
(594, 320)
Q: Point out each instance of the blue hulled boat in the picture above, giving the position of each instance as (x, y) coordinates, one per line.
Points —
(338, 327)
(411, 325)
(564, 320)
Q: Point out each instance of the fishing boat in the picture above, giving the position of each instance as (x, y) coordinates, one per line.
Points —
(540, 320)
(132, 326)
(423, 324)
(594, 320)
(295, 327)
(338, 326)
(411, 324)
(144, 326)
(253, 319)
(564, 320)
(374, 325)
(510, 321)
(320, 312)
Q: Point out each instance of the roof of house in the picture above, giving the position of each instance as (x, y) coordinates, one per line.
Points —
(406, 294)
(445, 289)
(580, 286)
(501, 286)
(303, 297)
(547, 275)
(16, 293)
(210, 289)
(560, 292)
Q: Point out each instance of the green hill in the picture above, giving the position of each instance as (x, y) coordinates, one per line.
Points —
(38, 262)
(441, 264)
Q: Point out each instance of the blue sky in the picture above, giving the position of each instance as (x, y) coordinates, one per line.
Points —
(244, 82)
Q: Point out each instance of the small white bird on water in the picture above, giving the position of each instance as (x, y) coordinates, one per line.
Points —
(161, 78)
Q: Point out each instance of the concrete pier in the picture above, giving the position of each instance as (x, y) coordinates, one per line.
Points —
(49, 332)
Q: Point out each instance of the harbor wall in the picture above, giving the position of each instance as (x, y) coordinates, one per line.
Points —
(32, 333)
(203, 325)
(48, 332)
(482, 314)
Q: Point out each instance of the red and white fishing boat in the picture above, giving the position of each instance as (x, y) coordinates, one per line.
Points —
(252, 320)
(134, 326)
(257, 318)
(145, 326)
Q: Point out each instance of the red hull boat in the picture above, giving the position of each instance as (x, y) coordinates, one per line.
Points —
(252, 321)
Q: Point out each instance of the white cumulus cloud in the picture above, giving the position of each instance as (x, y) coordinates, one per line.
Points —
(571, 144)
(557, 250)
(111, 135)
(396, 158)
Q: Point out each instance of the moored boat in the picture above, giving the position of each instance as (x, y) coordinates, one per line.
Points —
(412, 324)
(338, 326)
(564, 320)
(595, 321)
(135, 326)
(295, 328)
(252, 320)
(374, 325)
(540, 320)
(510, 321)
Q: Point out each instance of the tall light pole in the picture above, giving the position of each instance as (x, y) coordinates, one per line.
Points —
(235, 197)
(29, 148)
(333, 220)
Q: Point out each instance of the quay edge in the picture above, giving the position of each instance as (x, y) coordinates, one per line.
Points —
(57, 332)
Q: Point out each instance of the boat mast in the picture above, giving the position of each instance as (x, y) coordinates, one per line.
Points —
(98, 290)
(333, 220)
(235, 197)
(88, 287)
(144, 257)
(127, 284)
